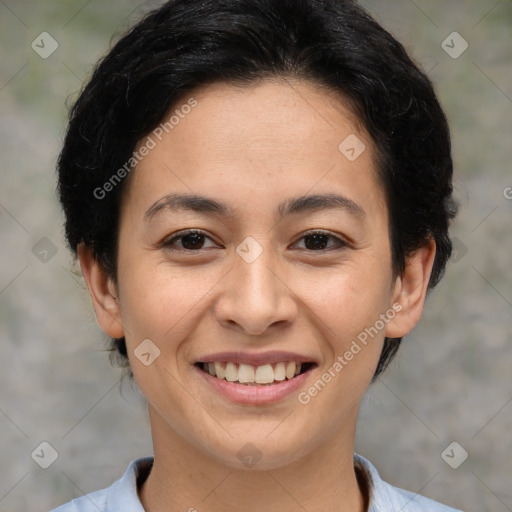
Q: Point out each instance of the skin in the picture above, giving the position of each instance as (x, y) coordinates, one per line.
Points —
(252, 148)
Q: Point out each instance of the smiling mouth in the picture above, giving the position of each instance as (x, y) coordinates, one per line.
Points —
(249, 375)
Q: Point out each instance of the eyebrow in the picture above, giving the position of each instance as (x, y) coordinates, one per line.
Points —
(297, 205)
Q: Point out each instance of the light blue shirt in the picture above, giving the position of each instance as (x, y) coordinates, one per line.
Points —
(122, 495)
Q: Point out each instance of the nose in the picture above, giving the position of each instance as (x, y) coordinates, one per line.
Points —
(255, 296)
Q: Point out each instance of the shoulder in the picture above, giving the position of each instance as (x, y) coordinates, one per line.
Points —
(88, 503)
(412, 502)
(122, 495)
(385, 497)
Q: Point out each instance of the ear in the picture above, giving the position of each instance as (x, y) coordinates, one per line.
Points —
(103, 293)
(410, 290)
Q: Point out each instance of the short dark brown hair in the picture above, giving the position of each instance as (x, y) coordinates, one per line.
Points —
(186, 44)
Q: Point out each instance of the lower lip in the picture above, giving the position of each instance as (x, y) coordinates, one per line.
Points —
(258, 394)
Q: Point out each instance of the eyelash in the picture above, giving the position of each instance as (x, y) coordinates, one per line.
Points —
(170, 241)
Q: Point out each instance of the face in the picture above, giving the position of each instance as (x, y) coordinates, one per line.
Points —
(266, 280)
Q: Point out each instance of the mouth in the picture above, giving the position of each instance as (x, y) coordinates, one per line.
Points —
(269, 374)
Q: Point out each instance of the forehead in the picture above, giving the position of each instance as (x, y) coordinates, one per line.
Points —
(254, 145)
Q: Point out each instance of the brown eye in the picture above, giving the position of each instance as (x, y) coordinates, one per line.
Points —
(192, 241)
(188, 241)
(318, 241)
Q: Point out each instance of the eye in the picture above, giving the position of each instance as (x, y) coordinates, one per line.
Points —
(194, 240)
(317, 241)
(190, 240)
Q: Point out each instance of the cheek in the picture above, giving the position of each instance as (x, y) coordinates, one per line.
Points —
(347, 299)
(159, 301)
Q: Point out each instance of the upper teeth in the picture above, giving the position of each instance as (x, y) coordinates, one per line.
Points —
(246, 373)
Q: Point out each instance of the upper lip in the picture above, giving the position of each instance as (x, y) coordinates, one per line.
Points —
(255, 359)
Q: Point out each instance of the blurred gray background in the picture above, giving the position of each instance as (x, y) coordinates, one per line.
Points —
(451, 380)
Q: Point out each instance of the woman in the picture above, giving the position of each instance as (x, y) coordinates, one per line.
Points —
(259, 195)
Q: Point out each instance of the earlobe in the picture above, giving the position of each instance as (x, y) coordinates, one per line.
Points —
(103, 293)
(411, 290)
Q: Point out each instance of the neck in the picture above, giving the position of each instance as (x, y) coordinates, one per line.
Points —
(184, 479)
